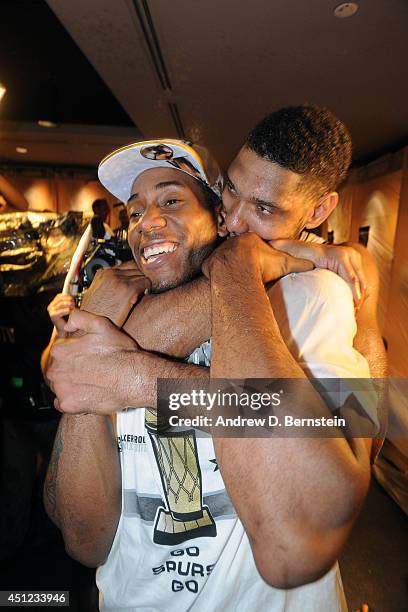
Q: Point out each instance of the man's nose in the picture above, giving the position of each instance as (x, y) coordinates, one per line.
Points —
(152, 219)
(235, 220)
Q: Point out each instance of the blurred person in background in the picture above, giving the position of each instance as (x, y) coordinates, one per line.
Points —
(121, 231)
(100, 228)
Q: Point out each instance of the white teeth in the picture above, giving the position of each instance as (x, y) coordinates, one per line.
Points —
(158, 249)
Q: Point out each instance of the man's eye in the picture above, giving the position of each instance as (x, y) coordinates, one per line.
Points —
(170, 202)
(230, 186)
(263, 210)
(136, 214)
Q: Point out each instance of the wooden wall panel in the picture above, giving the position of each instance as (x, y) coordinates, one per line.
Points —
(60, 194)
(396, 330)
(39, 192)
(77, 194)
(375, 203)
(377, 195)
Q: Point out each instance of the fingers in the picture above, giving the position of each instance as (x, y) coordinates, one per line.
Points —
(351, 270)
(135, 297)
(128, 265)
(56, 308)
(288, 246)
(360, 275)
(142, 286)
(295, 264)
(346, 272)
(119, 273)
(128, 273)
(60, 307)
(58, 313)
(61, 300)
(86, 322)
(57, 405)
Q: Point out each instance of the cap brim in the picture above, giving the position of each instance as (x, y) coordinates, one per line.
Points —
(118, 171)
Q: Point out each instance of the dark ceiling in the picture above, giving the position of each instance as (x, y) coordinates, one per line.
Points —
(46, 74)
(206, 70)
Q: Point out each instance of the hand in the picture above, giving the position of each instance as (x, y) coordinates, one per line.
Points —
(343, 260)
(60, 307)
(248, 248)
(114, 291)
(90, 373)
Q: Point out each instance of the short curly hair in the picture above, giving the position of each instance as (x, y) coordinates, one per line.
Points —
(308, 140)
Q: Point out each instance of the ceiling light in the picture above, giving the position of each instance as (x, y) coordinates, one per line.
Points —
(46, 124)
(21, 150)
(346, 9)
(2, 91)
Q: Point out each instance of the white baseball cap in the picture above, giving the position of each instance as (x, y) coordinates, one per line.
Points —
(118, 170)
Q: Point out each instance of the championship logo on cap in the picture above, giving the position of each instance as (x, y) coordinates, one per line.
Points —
(118, 170)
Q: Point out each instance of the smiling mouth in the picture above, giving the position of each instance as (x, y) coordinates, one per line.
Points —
(154, 252)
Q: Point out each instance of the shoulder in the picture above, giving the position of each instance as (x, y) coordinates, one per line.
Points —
(317, 286)
(318, 301)
(315, 315)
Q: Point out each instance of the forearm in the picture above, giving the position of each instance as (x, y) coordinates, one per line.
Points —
(173, 323)
(248, 329)
(369, 343)
(82, 487)
(143, 374)
(321, 482)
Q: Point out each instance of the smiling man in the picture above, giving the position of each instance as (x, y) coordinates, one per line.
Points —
(170, 249)
(262, 516)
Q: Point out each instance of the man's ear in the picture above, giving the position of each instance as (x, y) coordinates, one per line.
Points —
(222, 229)
(323, 207)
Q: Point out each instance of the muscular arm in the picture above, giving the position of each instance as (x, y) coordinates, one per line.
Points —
(175, 322)
(297, 498)
(99, 372)
(13, 197)
(102, 370)
(82, 486)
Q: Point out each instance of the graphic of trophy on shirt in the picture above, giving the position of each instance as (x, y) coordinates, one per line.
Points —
(177, 460)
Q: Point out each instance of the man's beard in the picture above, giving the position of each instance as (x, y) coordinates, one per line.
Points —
(192, 268)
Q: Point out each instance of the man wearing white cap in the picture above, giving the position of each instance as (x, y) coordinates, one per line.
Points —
(292, 505)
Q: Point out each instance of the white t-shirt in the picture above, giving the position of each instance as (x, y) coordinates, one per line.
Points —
(179, 544)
